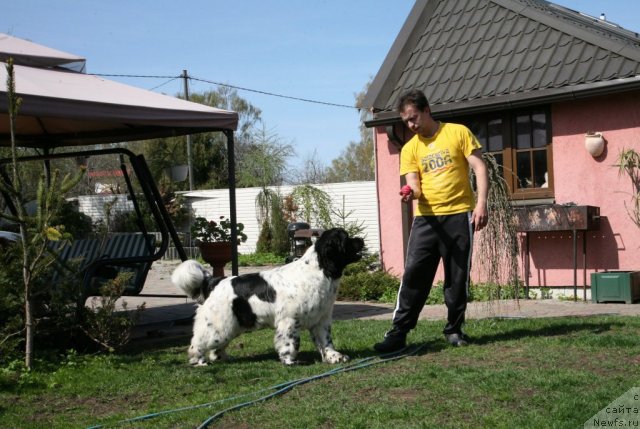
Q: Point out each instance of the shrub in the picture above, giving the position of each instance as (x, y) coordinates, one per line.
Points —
(492, 291)
(11, 303)
(54, 305)
(103, 323)
(76, 223)
(365, 286)
(436, 296)
(365, 281)
(259, 259)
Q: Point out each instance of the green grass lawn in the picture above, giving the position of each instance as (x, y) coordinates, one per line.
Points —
(536, 373)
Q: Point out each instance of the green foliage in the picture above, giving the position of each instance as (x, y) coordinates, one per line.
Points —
(264, 239)
(128, 221)
(260, 259)
(365, 286)
(279, 238)
(436, 296)
(54, 303)
(11, 302)
(105, 324)
(355, 163)
(478, 292)
(263, 161)
(519, 373)
(210, 231)
(264, 203)
(273, 236)
(314, 205)
(353, 227)
(209, 156)
(77, 224)
(364, 281)
(493, 291)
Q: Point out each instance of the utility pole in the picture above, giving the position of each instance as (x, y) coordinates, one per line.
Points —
(185, 76)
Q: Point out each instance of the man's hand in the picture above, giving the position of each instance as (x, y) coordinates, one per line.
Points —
(479, 216)
(406, 193)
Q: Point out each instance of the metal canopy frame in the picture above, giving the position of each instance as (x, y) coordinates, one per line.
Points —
(153, 197)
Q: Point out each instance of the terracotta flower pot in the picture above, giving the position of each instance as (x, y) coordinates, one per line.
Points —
(217, 255)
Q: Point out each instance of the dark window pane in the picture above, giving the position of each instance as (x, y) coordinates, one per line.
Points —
(498, 157)
(479, 129)
(523, 132)
(523, 160)
(540, 168)
(495, 135)
(539, 130)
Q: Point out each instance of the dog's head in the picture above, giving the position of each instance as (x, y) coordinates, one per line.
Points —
(336, 250)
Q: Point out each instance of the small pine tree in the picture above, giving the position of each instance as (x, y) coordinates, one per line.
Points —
(279, 238)
(265, 238)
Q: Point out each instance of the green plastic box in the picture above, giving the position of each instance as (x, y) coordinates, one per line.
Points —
(615, 286)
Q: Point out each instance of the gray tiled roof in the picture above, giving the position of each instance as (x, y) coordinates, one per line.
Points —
(479, 55)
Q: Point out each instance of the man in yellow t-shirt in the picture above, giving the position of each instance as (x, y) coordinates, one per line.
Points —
(435, 163)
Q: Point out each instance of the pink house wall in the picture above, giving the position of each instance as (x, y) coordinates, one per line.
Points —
(578, 178)
(390, 215)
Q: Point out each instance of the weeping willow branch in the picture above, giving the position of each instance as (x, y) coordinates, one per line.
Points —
(496, 248)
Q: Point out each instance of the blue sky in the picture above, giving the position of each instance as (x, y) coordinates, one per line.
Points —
(324, 50)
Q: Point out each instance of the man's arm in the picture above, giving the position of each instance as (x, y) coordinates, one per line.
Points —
(480, 216)
(413, 180)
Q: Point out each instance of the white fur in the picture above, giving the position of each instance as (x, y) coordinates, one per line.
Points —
(304, 300)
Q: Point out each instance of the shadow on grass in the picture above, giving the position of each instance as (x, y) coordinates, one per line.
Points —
(425, 338)
(556, 327)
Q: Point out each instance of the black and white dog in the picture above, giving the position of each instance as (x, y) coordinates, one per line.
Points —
(296, 296)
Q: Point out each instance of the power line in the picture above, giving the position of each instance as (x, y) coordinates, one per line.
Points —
(257, 91)
(162, 84)
(306, 100)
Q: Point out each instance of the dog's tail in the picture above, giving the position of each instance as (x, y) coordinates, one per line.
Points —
(192, 279)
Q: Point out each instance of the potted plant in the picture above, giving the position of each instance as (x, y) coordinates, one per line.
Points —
(214, 240)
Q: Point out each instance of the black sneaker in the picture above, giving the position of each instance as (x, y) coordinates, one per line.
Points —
(457, 340)
(391, 343)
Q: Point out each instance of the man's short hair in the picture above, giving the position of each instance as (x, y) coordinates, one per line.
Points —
(414, 97)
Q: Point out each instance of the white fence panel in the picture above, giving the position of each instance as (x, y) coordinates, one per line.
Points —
(357, 198)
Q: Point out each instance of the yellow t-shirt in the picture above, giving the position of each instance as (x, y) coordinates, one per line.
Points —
(441, 164)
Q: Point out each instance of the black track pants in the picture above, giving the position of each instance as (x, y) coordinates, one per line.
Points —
(433, 238)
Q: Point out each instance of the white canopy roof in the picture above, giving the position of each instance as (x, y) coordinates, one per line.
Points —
(66, 108)
(27, 53)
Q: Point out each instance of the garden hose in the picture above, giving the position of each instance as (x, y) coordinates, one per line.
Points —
(276, 390)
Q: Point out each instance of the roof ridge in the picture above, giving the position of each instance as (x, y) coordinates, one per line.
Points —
(593, 30)
(481, 54)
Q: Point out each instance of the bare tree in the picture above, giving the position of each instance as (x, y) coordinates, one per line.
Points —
(312, 171)
(263, 161)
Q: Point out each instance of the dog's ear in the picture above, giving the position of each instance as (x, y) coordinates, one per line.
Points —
(330, 248)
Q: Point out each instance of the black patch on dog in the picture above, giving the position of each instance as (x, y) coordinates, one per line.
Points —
(208, 284)
(243, 312)
(336, 250)
(247, 285)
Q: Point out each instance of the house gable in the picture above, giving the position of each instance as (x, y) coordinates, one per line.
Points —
(471, 56)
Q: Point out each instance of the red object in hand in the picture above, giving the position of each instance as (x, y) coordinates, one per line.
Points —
(406, 190)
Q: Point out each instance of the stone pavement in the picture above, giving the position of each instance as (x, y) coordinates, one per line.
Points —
(173, 314)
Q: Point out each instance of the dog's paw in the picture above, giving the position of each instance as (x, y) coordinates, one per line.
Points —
(198, 361)
(287, 360)
(334, 357)
(218, 355)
